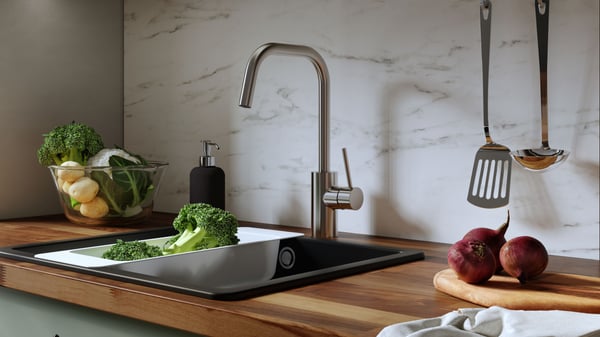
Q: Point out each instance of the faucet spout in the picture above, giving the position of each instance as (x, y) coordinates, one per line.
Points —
(325, 197)
(323, 76)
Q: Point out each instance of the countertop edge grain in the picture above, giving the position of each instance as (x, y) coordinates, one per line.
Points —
(147, 304)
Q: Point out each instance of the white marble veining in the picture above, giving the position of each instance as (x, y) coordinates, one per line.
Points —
(406, 101)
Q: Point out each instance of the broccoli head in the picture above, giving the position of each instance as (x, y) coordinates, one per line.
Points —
(71, 142)
(131, 250)
(202, 226)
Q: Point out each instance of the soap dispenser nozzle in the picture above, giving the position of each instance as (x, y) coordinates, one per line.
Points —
(207, 182)
(207, 159)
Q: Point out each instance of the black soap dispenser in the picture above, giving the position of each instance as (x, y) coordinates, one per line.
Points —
(207, 182)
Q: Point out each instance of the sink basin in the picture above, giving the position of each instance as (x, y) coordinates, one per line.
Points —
(264, 261)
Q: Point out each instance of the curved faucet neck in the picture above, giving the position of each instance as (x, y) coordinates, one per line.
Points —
(323, 76)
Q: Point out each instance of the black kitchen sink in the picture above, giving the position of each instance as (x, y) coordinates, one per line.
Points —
(228, 273)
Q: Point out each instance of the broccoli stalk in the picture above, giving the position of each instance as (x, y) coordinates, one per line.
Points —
(202, 226)
(71, 142)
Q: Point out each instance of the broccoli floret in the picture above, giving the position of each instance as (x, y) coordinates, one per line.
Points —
(131, 250)
(72, 142)
(202, 226)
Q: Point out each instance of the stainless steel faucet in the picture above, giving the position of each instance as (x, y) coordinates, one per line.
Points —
(325, 196)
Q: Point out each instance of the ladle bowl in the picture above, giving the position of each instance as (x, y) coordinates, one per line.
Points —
(539, 159)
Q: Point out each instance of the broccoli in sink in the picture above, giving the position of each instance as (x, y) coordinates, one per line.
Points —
(131, 250)
(200, 226)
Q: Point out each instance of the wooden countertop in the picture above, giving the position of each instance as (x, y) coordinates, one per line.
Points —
(359, 305)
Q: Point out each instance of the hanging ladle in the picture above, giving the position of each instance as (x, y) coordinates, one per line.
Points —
(545, 157)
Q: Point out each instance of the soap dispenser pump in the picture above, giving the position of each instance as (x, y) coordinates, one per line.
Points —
(207, 182)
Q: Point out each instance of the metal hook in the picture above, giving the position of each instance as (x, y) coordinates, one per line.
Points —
(485, 6)
(541, 5)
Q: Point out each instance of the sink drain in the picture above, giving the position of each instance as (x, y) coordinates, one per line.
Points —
(287, 258)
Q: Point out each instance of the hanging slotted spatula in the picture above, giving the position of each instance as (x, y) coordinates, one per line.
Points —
(490, 179)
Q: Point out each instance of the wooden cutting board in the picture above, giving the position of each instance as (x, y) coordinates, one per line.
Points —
(550, 291)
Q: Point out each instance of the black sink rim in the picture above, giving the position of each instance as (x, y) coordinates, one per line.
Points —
(26, 252)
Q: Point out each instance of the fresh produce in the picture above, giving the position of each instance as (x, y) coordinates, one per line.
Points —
(83, 189)
(524, 257)
(200, 226)
(80, 191)
(472, 260)
(68, 175)
(72, 142)
(131, 250)
(124, 190)
(493, 238)
(94, 209)
(102, 158)
(119, 190)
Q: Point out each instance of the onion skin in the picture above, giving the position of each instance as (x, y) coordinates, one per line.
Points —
(472, 260)
(524, 257)
(493, 238)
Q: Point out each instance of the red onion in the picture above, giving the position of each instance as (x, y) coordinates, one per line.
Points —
(524, 257)
(493, 238)
(472, 260)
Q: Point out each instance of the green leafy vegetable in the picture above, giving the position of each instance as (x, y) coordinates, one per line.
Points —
(113, 193)
(135, 183)
(124, 190)
(131, 250)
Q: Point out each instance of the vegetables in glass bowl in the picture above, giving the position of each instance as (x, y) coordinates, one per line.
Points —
(98, 185)
(119, 194)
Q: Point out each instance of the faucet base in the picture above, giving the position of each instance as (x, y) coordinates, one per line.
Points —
(323, 218)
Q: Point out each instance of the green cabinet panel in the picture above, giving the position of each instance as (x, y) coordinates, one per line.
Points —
(23, 314)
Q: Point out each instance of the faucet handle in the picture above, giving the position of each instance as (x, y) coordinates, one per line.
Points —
(347, 167)
(344, 197)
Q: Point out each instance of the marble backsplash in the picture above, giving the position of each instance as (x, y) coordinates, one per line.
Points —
(406, 101)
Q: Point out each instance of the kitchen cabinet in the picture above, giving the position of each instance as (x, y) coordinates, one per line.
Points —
(23, 314)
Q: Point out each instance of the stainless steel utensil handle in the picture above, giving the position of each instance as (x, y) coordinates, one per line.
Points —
(485, 18)
(542, 8)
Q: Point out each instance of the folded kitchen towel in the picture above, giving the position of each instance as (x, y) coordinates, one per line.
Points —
(500, 322)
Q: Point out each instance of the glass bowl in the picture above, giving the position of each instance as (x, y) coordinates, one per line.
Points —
(92, 195)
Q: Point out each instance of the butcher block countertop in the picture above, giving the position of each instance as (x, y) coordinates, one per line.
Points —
(359, 305)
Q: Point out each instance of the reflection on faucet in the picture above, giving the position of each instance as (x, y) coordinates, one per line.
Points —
(325, 197)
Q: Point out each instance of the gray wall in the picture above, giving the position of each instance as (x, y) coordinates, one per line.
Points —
(60, 60)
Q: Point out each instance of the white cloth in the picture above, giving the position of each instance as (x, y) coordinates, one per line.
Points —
(500, 322)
